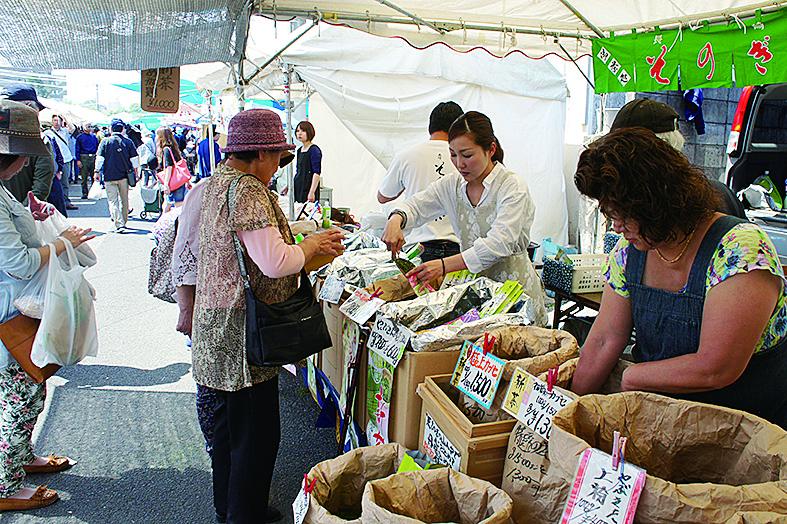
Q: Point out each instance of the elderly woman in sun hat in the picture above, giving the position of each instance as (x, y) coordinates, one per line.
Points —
(246, 418)
(22, 255)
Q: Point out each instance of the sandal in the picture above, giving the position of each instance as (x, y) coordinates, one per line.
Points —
(54, 464)
(42, 498)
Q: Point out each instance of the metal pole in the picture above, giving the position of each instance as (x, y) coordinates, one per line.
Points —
(573, 60)
(259, 69)
(290, 174)
(417, 19)
(583, 18)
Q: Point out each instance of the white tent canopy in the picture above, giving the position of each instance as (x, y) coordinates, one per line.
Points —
(502, 26)
(375, 106)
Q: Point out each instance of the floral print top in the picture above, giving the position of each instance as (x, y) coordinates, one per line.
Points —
(744, 248)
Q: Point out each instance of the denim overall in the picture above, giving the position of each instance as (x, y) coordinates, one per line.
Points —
(668, 325)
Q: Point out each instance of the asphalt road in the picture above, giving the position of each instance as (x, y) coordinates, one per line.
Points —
(128, 417)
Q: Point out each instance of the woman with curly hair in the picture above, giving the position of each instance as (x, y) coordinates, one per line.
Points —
(704, 291)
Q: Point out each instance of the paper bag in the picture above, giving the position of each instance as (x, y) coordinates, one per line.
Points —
(704, 463)
(526, 457)
(534, 349)
(394, 288)
(340, 482)
(438, 495)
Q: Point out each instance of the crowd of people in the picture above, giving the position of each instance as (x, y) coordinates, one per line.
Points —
(685, 256)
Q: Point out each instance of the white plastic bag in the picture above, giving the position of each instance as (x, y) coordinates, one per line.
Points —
(30, 301)
(97, 192)
(67, 333)
(50, 229)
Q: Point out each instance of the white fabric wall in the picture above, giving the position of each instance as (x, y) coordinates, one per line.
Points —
(383, 114)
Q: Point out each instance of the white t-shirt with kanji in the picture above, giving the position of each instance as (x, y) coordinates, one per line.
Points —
(411, 171)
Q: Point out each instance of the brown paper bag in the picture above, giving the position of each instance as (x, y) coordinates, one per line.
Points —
(394, 289)
(18, 335)
(527, 461)
(704, 463)
(534, 349)
(340, 482)
(439, 495)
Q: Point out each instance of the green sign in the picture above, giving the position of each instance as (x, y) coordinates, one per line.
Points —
(750, 53)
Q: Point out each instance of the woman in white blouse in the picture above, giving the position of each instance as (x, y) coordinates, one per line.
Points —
(489, 207)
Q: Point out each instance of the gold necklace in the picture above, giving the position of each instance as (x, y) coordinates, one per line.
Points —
(682, 252)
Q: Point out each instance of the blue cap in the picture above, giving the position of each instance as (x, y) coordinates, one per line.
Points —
(21, 93)
(117, 124)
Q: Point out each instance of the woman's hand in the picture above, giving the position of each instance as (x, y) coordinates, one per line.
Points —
(393, 235)
(327, 243)
(40, 210)
(427, 272)
(310, 198)
(77, 235)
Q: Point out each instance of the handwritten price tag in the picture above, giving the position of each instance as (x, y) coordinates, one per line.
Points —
(437, 446)
(332, 289)
(361, 306)
(388, 339)
(529, 400)
(301, 505)
(478, 375)
(602, 494)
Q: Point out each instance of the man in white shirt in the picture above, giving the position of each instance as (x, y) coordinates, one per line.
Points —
(62, 136)
(412, 170)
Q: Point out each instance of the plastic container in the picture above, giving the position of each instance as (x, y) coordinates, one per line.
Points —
(584, 276)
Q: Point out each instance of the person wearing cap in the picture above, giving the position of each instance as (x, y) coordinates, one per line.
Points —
(22, 256)
(116, 158)
(704, 291)
(38, 173)
(663, 120)
(247, 424)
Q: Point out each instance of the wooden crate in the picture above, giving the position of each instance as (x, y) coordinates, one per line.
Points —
(482, 446)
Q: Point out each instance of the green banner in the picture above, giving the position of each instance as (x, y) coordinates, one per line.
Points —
(750, 53)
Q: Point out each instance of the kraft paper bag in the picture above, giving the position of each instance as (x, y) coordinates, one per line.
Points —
(439, 495)
(704, 463)
(336, 497)
(534, 349)
(526, 457)
(394, 289)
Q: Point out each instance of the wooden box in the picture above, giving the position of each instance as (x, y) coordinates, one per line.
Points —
(482, 447)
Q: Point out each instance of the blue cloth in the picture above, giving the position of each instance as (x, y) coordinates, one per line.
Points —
(57, 198)
(692, 109)
(668, 325)
(179, 195)
(19, 258)
(203, 152)
(87, 144)
(58, 156)
(117, 152)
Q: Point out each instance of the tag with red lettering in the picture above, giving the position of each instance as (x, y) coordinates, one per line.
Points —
(478, 375)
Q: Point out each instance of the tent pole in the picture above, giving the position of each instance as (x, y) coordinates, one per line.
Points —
(583, 18)
(259, 69)
(418, 20)
(210, 133)
(290, 174)
(574, 61)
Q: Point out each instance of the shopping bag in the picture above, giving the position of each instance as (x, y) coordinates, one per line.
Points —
(67, 333)
(49, 230)
(97, 192)
(17, 336)
(30, 301)
(180, 174)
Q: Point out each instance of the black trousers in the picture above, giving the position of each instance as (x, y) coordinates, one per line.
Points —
(437, 249)
(245, 443)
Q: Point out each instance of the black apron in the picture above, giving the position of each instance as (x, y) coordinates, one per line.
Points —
(303, 176)
(668, 325)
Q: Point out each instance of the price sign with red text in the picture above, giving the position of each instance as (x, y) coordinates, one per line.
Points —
(478, 375)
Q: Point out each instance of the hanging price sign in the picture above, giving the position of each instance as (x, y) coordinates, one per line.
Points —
(437, 446)
(603, 494)
(332, 289)
(388, 339)
(529, 400)
(361, 306)
(301, 505)
(478, 375)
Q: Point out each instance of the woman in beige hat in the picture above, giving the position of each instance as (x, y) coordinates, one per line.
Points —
(246, 426)
(22, 255)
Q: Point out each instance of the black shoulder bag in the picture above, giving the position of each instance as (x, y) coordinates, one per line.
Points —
(283, 333)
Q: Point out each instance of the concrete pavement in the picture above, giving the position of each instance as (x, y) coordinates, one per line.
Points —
(128, 416)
